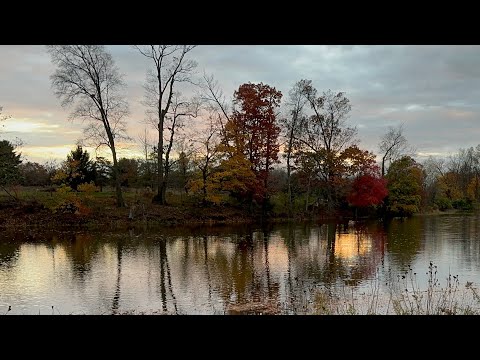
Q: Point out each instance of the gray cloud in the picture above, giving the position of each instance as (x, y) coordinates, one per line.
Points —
(433, 90)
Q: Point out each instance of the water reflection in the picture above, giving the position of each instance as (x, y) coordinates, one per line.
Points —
(116, 297)
(217, 270)
(9, 253)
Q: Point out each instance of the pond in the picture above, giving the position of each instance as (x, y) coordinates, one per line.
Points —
(229, 270)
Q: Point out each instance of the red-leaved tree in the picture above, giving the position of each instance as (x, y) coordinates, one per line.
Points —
(254, 131)
(367, 190)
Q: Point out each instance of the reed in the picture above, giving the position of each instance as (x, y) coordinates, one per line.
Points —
(404, 297)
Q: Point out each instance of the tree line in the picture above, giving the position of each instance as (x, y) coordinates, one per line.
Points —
(244, 150)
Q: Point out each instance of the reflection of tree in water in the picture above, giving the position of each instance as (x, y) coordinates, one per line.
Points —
(334, 255)
(81, 248)
(242, 268)
(11, 242)
(468, 233)
(458, 232)
(207, 272)
(242, 275)
(9, 252)
(290, 238)
(364, 253)
(116, 296)
(404, 240)
(165, 277)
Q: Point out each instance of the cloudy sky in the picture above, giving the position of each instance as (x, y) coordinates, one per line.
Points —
(433, 90)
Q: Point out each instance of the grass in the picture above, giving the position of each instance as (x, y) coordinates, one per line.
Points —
(404, 297)
(91, 209)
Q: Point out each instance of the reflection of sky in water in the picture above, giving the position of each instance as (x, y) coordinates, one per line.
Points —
(203, 271)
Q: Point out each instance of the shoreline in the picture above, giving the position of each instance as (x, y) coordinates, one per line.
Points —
(33, 215)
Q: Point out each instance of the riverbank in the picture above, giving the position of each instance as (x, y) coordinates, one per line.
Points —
(98, 211)
(42, 208)
(33, 215)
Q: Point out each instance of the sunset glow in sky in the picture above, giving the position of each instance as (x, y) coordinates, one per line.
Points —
(433, 90)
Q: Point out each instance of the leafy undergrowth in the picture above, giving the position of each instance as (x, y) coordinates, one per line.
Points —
(98, 210)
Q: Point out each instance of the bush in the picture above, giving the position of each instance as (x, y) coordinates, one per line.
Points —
(88, 188)
(443, 203)
(67, 207)
(462, 204)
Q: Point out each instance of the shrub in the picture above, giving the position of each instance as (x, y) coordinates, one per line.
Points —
(88, 188)
(443, 203)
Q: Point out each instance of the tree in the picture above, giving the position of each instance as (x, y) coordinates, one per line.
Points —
(394, 145)
(77, 169)
(234, 176)
(253, 131)
(146, 167)
(205, 158)
(183, 165)
(305, 176)
(86, 77)
(292, 126)
(34, 174)
(3, 117)
(128, 169)
(180, 110)
(51, 166)
(369, 188)
(103, 171)
(326, 135)
(405, 183)
(214, 97)
(9, 162)
(170, 67)
(433, 169)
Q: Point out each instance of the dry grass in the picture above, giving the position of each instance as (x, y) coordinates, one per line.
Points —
(404, 297)
(254, 308)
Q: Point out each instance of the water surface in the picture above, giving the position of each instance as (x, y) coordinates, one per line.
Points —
(217, 270)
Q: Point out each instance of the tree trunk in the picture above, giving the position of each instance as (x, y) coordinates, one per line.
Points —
(204, 176)
(266, 197)
(383, 167)
(289, 170)
(161, 186)
(118, 187)
(289, 184)
(307, 196)
(163, 192)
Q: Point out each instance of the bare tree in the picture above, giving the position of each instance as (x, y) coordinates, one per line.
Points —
(180, 110)
(146, 145)
(292, 126)
(214, 97)
(184, 150)
(3, 117)
(87, 79)
(433, 168)
(206, 152)
(393, 145)
(170, 67)
(326, 134)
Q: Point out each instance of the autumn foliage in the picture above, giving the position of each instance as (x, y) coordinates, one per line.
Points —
(367, 190)
(252, 132)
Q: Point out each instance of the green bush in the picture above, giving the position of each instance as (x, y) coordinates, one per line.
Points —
(462, 204)
(443, 203)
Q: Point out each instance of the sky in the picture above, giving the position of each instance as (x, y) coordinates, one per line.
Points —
(434, 90)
